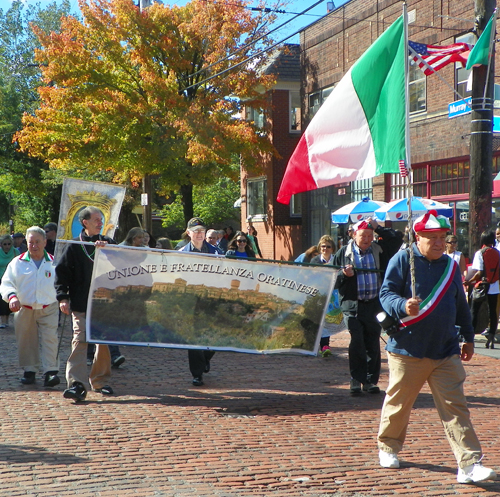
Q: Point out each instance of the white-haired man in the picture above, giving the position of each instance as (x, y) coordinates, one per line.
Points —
(28, 287)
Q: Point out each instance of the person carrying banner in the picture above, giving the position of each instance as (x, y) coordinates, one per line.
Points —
(73, 278)
(28, 287)
(362, 261)
(199, 360)
(425, 347)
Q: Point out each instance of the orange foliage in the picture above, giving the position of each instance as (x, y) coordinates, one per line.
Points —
(125, 91)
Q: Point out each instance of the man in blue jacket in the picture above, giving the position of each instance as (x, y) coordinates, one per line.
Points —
(425, 348)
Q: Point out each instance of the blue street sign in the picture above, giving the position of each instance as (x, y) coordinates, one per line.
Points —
(459, 108)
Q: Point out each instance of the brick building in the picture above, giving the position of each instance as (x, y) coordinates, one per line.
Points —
(278, 226)
(440, 141)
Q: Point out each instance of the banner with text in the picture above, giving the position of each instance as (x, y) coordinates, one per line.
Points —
(173, 299)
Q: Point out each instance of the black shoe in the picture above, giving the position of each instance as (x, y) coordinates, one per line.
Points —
(355, 386)
(207, 366)
(51, 379)
(117, 361)
(105, 390)
(76, 392)
(371, 388)
(198, 381)
(29, 378)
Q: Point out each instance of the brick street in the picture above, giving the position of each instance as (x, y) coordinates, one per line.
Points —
(262, 425)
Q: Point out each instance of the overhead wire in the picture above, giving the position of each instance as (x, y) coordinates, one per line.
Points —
(253, 42)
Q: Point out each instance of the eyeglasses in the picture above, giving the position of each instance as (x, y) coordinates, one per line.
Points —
(326, 246)
(241, 241)
(7, 243)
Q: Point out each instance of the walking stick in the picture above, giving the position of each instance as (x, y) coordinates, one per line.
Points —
(61, 337)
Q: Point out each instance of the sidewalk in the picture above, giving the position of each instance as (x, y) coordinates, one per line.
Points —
(262, 425)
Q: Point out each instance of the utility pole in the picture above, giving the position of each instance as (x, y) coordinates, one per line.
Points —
(481, 138)
(147, 223)
(146, 198)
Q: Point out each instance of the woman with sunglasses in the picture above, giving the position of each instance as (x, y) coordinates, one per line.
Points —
(240, 247)
(7, 253)
(326, 248)
(451, 251)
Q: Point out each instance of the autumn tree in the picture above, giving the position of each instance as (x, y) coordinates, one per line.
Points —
(129, 92)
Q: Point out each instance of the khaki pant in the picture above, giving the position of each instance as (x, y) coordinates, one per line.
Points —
(445, 378)
(76, 367)
(35, 328)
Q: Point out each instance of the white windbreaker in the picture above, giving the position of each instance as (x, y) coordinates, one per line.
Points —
(31, 285)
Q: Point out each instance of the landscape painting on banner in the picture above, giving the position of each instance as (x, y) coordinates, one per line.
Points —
(161, 298)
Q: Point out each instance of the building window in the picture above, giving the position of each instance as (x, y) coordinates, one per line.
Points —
(317, 99)
(437, 180)
(361, 188)
(295, 111)
(296, 205)
(462, 74)
(255, 115)
(416, 88)
(257, 197)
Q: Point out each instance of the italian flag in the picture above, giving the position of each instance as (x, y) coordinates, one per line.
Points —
(359, 131)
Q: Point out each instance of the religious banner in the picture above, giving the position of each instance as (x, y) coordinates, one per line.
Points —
(78, 194)
(159, 298)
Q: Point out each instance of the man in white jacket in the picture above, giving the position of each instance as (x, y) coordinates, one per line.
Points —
(28, 287)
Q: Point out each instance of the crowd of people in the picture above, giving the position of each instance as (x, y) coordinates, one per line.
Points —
(430, 334)
(38, 290)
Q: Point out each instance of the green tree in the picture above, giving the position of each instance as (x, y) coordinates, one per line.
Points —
(23, 179)
(126, 92)
(213, 203)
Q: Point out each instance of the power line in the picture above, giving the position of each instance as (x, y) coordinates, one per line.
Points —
(266, 10)
(251, 43)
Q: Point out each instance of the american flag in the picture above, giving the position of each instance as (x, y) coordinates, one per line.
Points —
(437, 57)
(403, 169)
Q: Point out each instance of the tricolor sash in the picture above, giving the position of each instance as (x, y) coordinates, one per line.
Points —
(433, 299)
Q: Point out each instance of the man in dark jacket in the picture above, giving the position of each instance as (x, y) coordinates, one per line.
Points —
(73, 279)
(199, 360)
(358, 282)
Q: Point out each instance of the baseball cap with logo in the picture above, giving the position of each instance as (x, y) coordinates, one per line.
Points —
(195, 224)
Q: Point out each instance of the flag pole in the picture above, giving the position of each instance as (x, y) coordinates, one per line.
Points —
(491, 54)
(409, 177)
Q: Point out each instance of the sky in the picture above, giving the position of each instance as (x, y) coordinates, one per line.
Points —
(293, 7)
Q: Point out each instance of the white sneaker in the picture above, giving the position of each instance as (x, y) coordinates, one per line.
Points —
(474, 473)
(388, 459)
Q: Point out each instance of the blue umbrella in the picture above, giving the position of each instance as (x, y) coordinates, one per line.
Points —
(397, 210)
(356, 211)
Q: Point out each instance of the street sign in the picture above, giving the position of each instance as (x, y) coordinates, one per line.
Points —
(459, 108)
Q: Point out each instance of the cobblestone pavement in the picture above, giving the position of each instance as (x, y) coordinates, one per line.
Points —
(262, 425)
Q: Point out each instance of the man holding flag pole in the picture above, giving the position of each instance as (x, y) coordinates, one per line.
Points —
(370, 136)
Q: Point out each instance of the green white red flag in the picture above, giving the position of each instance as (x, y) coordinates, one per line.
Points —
(359, 131)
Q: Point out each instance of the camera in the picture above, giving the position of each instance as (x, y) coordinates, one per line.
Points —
(388, 323)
